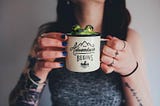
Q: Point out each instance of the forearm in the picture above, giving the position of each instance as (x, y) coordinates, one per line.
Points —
(26, 93)
(136, 89)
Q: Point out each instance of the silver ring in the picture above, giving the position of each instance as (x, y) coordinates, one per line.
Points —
(111, 64)
(44, 34)
(124, 46)
(116, 53)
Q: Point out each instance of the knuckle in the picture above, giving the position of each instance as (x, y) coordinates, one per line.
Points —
(105, 49)
(40, 41)
(104, 68)
(42, 54)
(102, 58)
(43, 41)
(115, 44)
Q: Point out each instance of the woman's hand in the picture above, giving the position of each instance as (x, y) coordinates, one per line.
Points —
(50, 47)
(117, 56)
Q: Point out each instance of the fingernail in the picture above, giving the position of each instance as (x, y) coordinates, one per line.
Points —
(63, 36)
(64, 53)
(61, 64)
(64, 43)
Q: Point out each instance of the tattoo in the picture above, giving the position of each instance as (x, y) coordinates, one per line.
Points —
(134, 93)
(32, 61)
(25, 93)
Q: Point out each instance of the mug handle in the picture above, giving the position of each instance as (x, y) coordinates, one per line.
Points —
(102, 39)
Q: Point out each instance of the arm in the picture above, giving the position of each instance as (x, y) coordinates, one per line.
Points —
(42, 60)
(121, 57)
(136, 85)
(26, 93)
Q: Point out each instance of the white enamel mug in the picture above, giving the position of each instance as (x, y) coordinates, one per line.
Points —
(83, 53)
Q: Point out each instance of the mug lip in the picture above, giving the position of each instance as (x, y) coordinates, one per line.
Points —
(97, 34)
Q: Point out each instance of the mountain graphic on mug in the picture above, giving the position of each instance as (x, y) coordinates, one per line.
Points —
(82, 48)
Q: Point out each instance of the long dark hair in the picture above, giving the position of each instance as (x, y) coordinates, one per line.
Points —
(115, 21)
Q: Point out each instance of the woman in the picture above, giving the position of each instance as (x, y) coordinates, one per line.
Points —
(121, 80)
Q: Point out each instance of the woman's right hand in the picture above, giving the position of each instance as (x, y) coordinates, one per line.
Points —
(50, 47)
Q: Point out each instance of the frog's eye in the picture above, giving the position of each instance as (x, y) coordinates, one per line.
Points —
(89, 28)
(76, 27)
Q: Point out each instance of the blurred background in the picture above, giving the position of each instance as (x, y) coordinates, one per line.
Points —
(20, 19)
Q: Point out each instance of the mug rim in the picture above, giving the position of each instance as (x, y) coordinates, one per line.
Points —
(76, 35)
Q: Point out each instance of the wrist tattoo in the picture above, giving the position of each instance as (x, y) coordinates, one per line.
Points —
(134, 93)
(25, 93)
(32, 61)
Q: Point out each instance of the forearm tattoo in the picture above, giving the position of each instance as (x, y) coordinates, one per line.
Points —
(134, 93)
(25, 93)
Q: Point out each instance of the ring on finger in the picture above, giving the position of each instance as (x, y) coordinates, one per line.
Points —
(124, 45)
(116, 53)
(111, 64)
(42, 35)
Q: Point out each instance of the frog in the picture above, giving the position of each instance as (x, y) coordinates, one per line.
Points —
(88, 30)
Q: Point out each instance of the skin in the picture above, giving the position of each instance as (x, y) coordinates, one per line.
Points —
(135, 86)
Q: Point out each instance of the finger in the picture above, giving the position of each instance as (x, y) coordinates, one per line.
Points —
(106, 68)
(50, 48)
(49, 42)
(55, 35)
(49, 65)
(51, 54)
(109, 37)
(109, 51)
(116, 43)
(108, 60)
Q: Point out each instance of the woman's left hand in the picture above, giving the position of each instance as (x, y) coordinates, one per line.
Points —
(117, 56)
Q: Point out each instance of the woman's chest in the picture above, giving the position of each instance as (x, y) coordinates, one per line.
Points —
(90, 89)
